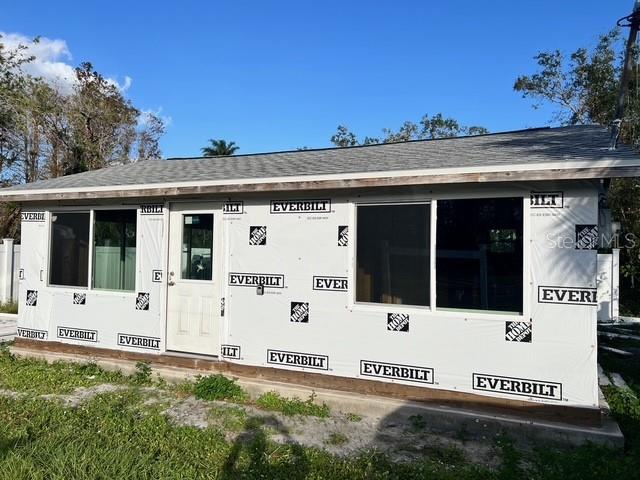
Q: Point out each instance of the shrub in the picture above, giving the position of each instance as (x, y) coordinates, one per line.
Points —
(218, 387)
(142, 375)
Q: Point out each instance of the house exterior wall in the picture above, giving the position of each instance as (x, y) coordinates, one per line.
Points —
(461, 351)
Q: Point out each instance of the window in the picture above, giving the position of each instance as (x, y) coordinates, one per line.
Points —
(114, 250)
(392, 251)
(479, 259)
(197, 246)
(69, 253)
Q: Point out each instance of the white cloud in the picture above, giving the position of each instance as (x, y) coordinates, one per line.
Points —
(51, 62)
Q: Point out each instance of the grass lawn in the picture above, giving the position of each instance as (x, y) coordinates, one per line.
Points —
(122, 434)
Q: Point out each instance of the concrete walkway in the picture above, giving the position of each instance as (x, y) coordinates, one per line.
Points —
(7, 326)
(477, 423)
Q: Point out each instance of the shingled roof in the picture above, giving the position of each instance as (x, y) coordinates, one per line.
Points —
(565, 152)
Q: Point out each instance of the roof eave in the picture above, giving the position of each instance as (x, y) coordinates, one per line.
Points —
(577, 173)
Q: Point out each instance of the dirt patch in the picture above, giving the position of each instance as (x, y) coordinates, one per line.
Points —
(339, 434)
(83, 394)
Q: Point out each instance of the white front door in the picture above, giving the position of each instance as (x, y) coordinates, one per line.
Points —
(194, 278)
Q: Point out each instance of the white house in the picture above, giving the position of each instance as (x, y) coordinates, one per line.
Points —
(460, 269)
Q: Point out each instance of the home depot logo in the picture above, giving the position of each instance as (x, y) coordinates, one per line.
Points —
(518, 332)
(155, 209)
(271, 280)
(586, 237)
(299, 312)
(138, 341)
(398, 322)
(232, 207)
(297, 359)
(568, 295)
(79, 298)
(32, 334)
(257, 235)
(142, 301)
(32, 298)
(546, 200)
(395, 371)
(343, 235)
(32, 216)
(517, 386)
(331, 284)
(230, 351)
(301, 206)
(78, 334)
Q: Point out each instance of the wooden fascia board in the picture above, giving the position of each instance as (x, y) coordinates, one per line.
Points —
(331, 184)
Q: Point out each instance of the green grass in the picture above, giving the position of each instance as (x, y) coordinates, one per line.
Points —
(38, 376)
(273, 401)
(336, 439)
(353, 417)
(9, 307)
(218, 387)
(117, 435)
(112, 436)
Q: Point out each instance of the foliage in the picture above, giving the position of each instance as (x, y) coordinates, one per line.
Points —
(354, 417)
(142, 375)
(583, 86)
(336, 439)
(45, 132)
(273, 401)
(436, 126)
(220, 148)
(38, 376)
(218, 387)
(9, 307)
(122, 435)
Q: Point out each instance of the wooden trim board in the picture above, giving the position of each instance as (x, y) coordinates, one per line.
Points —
(332, 184)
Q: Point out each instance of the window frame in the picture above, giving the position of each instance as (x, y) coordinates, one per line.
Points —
(214, 260)
(353, 242)
(91, 251)
(91, 210)
(432, 310)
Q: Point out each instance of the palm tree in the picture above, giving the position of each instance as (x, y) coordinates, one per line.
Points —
(219, 148)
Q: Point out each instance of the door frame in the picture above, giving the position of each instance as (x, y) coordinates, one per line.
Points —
(219, 262)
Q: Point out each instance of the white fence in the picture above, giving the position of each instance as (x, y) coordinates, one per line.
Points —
(9, 270)
(609, 286)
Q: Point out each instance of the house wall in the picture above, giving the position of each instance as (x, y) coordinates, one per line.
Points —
(45, 309)
(459, 351)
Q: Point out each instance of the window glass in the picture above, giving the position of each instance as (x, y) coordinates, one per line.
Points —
(393, 254)
(69, 252)
(197, 246)
(479, 258)
(114, 250)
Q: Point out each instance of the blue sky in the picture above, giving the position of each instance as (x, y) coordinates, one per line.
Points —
(276, 75)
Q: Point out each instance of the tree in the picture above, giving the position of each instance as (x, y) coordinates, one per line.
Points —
(219, 148)
(428, 127)
(45, 133)
(583, 87)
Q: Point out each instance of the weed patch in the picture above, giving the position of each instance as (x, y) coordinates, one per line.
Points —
(273, 401)
(336, 439)
(218, 387)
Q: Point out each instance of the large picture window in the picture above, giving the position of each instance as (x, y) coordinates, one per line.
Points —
(393, 247)
(69, 252)
(479, 258)
(114, 250)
